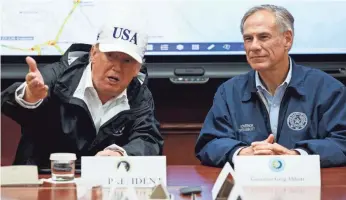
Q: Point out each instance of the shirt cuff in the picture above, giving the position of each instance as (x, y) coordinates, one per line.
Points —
(236, 153)
(19, 94)
(116, 148)
(302, 152)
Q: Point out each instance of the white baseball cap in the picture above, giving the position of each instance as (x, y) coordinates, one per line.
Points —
(123, 38)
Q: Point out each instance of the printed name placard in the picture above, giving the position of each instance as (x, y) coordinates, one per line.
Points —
(278, 170)
(136, 171)
(282, 193)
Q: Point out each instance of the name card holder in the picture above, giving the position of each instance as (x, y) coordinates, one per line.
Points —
(136, 171)
(19, 175)
(225, 187)
(283, 170)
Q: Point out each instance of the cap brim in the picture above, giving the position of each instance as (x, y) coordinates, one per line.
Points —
(121, 48)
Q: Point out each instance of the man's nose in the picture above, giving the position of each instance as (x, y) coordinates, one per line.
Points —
(255, 45)
(116, 65)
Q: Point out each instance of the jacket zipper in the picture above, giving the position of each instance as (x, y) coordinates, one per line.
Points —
(120, 126)
(267, 112)
(280, 114)
(85, 108)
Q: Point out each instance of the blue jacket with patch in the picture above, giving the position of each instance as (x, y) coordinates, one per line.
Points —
(312, 117)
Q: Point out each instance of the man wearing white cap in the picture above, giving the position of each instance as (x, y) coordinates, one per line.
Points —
(94, 101)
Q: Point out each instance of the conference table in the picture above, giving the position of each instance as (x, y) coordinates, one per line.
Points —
(333, 185)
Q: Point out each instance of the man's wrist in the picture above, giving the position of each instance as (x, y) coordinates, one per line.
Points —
(246, 151)
(118, 151)
(19, 97)
(28, 97)
(116, 148)
(301, 151)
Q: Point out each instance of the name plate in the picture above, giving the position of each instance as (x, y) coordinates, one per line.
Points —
(278, 170)
(13, 175)
(282, 193)
(136, 171)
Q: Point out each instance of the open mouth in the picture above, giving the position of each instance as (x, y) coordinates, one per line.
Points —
(113, 79)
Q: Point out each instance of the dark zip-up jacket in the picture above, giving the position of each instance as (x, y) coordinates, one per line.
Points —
(312, 117)
(63, 123)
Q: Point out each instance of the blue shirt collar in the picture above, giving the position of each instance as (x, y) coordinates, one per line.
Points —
(296, 82)
(260, 86)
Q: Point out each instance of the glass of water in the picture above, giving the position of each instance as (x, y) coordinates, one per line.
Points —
(63, 166)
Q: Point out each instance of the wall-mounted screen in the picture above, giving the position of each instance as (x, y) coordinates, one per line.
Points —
(176, 27)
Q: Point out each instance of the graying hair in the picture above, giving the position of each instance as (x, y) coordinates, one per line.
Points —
(284, 18)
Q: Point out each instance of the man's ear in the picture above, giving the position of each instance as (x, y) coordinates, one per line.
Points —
(288, 40)
(93, 52)
(137, 69)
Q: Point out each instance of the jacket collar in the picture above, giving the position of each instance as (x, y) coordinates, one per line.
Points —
(296, 83)
(260, 85)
